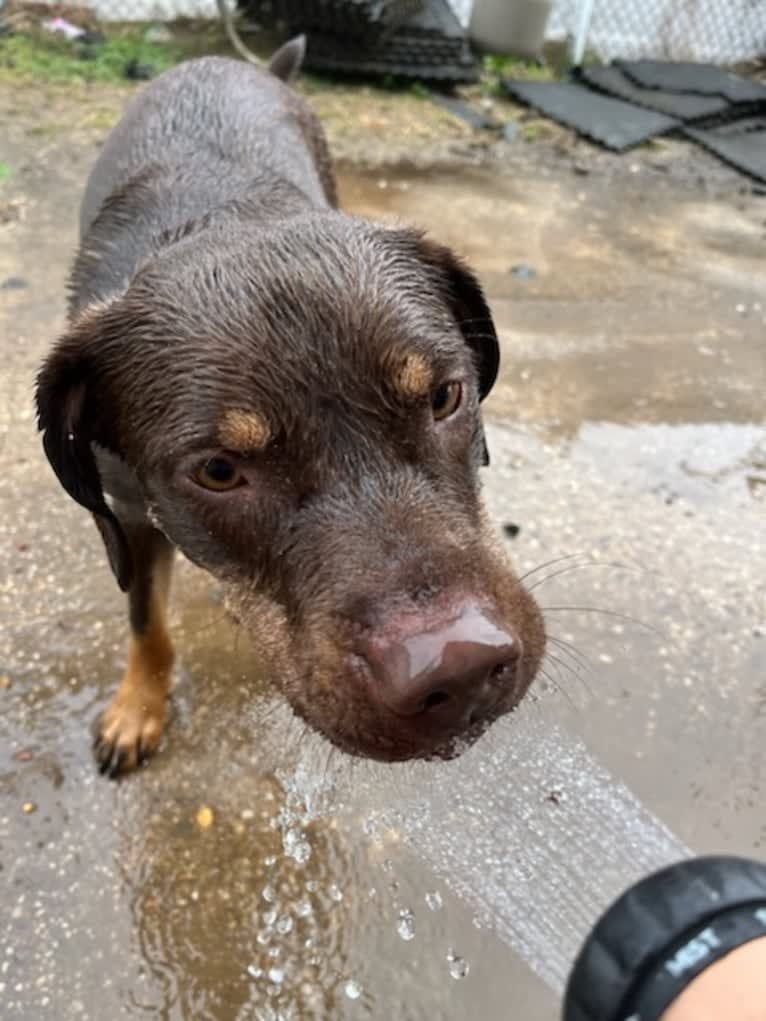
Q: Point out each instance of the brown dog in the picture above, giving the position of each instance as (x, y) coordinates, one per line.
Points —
(290, 396)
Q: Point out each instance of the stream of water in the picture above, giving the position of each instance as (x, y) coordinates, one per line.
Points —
(528, 829)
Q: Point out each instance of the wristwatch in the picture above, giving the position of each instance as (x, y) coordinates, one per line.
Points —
(661, 934)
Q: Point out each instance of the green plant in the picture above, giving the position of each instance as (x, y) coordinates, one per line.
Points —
(50, 57)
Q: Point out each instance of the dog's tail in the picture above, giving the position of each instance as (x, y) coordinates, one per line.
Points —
(286, 62)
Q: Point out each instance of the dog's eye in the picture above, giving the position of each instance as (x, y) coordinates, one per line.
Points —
(445, 400)
(219, 474)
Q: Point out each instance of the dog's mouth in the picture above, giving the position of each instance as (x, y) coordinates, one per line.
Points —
(401, 692)
(367, 733)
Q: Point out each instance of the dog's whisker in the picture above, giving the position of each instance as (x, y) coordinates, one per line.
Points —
(550, 563)
(327, 763)
(606, 613)
(299, 739)
(572, 666)
(613, 564)
(559, 686)
(584, 662)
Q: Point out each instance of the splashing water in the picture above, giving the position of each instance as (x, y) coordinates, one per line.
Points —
(458, 968)
(539, 871)
(536, 869)
(434, 900)
(352, 990)
(406, 925)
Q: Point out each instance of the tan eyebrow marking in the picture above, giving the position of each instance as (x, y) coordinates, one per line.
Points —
(414, 377)
(244, 431)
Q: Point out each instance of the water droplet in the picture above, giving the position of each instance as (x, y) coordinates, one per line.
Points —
(303, 908)
(370, 826)
(269, 894)
(434, 900)
(254, 971)
(276, 975)
(284, 925)
(458, 968)
(301, 852)
(406, 925)
(312, 886)
(388, 865)
(352, 989)
(263, 937)
(335, 893)
(270, 917)
(270, 861)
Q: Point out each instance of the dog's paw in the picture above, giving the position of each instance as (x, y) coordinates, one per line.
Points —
(127, 733)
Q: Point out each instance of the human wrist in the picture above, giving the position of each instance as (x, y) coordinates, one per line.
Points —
(732, 988)
(653, 943)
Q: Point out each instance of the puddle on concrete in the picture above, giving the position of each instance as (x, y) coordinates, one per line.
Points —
(632, 306)
(627, 429)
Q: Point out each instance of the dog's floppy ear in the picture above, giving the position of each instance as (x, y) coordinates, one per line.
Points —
(471, 311)
(67, 415)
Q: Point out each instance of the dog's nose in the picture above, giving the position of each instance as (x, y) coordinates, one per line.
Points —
(451, 675)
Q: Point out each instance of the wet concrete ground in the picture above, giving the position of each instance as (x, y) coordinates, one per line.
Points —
(628, 426)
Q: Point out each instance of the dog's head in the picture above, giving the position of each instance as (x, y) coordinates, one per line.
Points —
(301, 411)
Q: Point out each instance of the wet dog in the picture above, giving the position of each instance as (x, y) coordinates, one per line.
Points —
(290, 396)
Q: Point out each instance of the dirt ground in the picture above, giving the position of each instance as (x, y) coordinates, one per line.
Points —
(628, 427)
(373, 128)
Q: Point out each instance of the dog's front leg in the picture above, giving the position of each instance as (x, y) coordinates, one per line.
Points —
(129, 731)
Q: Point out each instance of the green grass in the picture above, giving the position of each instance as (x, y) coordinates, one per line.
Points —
(48, 57)
(515, 67)
(5, 171)
(496, 67)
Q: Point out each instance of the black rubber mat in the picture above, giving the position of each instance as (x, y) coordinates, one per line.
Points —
(742, 144)
(703, 79)
(431, 46)
(683, 105)
(420, 63)
(361, 20)
(611, 122)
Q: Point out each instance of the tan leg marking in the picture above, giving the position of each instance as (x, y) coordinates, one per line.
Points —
(129, 730)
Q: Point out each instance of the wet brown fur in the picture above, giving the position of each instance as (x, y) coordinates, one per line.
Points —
(220, 300)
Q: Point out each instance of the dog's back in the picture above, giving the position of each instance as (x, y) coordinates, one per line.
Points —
(206, 134)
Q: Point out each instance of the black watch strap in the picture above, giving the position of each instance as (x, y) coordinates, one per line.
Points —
(661, 934)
